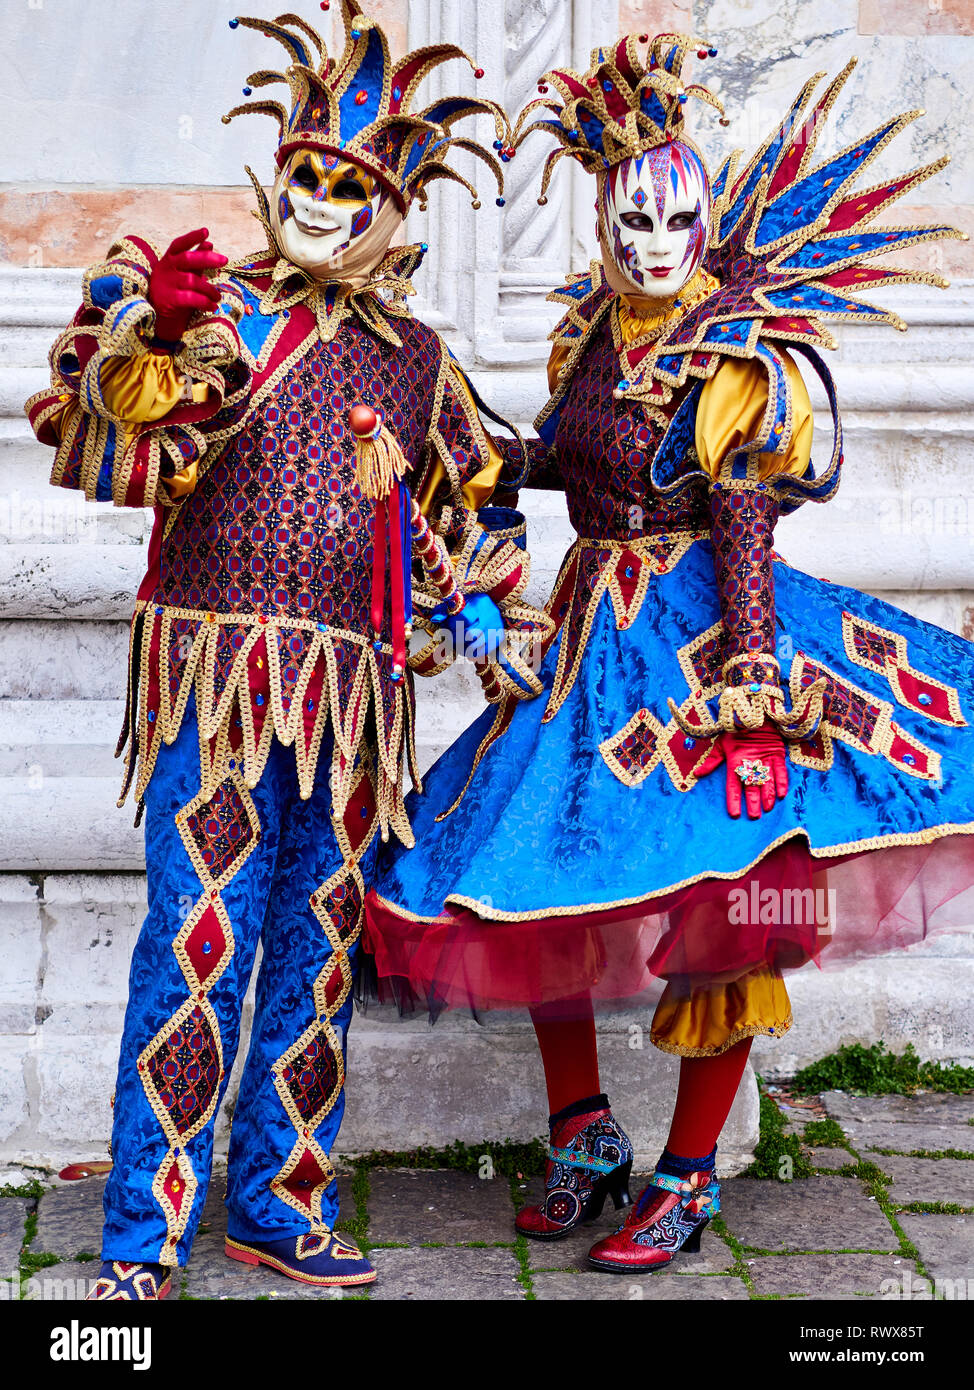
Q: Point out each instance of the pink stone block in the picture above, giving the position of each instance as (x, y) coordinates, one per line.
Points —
(656, 17)
(905, 17)
(55, 228)
(948, 258)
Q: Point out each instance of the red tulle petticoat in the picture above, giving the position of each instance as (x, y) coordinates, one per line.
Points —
(786, 911)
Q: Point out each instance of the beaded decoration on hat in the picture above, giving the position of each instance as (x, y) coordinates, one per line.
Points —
(358, 105)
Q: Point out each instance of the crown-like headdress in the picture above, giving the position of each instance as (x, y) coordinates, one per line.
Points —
(622, 106)
(358, 105)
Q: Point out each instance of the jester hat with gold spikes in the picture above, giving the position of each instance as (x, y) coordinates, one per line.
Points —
(622, 106)
(358, 105)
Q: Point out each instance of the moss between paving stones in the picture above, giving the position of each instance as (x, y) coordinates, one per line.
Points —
(925, 1153)
(509, 1157)
(824, 1134)
(33, 1189)
(875, 1071)
(739, 1268)
(937, 1209)
(777, 1153)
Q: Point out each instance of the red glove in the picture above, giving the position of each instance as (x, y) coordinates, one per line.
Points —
(764, 746)
(178, 286)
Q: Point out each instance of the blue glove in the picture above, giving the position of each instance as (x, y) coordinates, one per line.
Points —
(477, 630)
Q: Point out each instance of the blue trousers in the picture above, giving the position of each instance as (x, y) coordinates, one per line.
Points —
(244, 867)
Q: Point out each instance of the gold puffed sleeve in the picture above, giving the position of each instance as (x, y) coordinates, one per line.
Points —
(142, 390)
(558, 358)
(731, 408)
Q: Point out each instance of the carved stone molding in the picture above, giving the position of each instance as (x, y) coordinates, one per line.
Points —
(487, 273)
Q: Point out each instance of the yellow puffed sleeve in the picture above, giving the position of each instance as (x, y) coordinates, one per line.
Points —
(731, 408)
(142, 390)
(559, 355)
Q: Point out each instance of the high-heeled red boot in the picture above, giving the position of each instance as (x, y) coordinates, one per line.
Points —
(670, 1215)
(589, 1159)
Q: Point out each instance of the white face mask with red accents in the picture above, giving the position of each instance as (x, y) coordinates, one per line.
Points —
(657, 217)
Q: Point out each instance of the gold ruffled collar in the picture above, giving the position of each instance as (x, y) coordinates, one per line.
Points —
(384, 293)
(646, 319)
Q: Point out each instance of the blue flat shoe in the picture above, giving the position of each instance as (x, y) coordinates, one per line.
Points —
(324, 1259)
(135, 1283)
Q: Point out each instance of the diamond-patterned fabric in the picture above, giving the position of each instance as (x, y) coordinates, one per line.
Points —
(221, 830)
(311, 1076)
(184, 1069)
(743, 538)
(605, 448)
(843, 707)
(278, 525)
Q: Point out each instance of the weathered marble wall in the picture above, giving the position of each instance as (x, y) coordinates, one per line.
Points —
(111, 115)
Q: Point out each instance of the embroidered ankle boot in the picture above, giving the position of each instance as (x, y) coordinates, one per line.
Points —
(670, 1215)
(589, 1158)
(320, 1257)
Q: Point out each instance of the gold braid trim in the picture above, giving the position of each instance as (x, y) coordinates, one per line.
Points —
(746, 1030)
(928, 836)
(655, 556)
(750, 706)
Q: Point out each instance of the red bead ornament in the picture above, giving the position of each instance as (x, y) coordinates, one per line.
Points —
(542, 89)
(644, 38)
(361, 98)
(478, 72)
(593, 82)
(701, 53)
(326, 4)
(362, 421)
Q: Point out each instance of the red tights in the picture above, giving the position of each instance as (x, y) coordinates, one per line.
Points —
(708, 1085)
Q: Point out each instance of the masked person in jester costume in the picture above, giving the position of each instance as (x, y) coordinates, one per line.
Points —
(309, 447)
(724, 745)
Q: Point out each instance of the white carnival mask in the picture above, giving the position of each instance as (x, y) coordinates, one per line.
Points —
(657, 216)
(322, 204)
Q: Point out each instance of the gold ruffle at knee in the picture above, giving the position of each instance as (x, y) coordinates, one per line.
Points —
(696, 1019)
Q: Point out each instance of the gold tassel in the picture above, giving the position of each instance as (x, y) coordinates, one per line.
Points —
(379, 460)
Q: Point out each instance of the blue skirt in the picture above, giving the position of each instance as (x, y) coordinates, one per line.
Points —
(585, 803)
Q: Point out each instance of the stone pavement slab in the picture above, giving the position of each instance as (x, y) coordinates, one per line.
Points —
(69, 1281)
(13, 1216)
(930, 1179)
(930, 1108)
(438, 1207)
(946, 1245)
(645, 1288)
(818, 1213)
(831, 1158)
(865, 1135)
(69, 1219)
(825, 1276)
(446, 1275)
